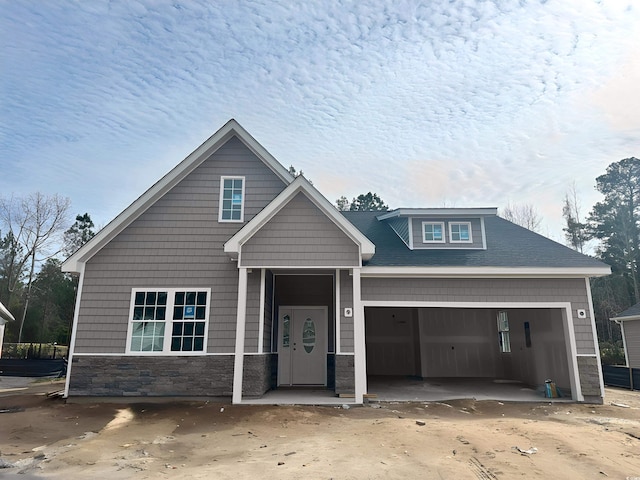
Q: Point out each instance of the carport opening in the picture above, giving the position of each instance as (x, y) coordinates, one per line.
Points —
(464, 350)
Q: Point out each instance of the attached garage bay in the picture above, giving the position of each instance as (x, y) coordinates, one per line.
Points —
(466, 343)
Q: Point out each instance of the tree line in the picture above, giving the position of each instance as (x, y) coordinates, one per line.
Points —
(34, 235)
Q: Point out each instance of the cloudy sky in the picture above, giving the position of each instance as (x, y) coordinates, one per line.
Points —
(440, 103)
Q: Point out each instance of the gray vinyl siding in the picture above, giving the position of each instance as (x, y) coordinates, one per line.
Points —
(346, 301)
(571, 290)
(632, 339)
(401, 227)
(476, 233)
(176, 243)
(252, 323)
(299, 235)
(268, 312)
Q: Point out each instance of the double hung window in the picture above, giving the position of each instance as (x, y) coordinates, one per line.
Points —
(460, 232)
(168, 320)
(433, 232)
(231, 199)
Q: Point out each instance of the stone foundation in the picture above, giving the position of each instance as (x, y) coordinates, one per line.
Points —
(170, 376)
(345, 374)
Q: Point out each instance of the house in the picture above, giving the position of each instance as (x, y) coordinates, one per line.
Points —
(629, 322)
(229, 277)
(5, 316)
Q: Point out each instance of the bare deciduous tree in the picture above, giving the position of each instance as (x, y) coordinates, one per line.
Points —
(524, 215)
(35, 222)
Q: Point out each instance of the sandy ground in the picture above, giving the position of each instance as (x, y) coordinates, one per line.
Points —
(47, 438)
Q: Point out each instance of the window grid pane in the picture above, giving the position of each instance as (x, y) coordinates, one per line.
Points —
(232, 199)
(188, 335)
(148, 321)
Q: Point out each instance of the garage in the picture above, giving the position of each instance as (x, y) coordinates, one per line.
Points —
(465, 347)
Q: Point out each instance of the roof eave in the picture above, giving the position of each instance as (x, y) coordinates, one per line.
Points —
(485, 272)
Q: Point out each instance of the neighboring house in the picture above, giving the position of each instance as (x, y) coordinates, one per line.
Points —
(5, 316)
(629, 322)
(229, 277)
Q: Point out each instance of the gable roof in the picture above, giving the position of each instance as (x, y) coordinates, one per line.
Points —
(300, 184)
(631, 313)
(179, 172)
(5, 313)
(509, 248)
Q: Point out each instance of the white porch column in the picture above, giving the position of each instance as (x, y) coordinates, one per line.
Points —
(238, 364)
(360, 357)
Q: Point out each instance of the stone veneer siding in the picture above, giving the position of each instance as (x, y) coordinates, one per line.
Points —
(589, 379)
(129, 376)
(257, 375)
(345, 374)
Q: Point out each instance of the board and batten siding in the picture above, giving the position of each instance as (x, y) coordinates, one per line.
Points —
(632, 340)
(476, 233)
(521, 290)
(299, 235)
(176, 243)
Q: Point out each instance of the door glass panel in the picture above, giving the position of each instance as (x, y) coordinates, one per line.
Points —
(309, 335)
(285, 330)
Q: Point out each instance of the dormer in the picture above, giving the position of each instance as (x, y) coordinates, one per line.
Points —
(440, 228)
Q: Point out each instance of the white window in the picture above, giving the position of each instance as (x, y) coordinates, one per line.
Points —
(503, 332)
(432, 232)
(231, 199)
(460, 232)
(168, 320)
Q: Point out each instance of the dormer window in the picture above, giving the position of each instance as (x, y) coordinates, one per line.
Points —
(460, 232)
(433, 232)
(231, 199)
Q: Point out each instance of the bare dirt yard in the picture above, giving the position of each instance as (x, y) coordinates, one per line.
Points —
(465, 439)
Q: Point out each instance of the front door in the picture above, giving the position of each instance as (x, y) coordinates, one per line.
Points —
(302, 346)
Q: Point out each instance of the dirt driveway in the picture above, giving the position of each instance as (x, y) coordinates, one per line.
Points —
(47, 438)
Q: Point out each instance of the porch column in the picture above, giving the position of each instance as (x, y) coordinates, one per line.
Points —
(241, 317)
(359, 352)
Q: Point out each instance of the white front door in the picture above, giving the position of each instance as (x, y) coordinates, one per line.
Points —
(302, 346)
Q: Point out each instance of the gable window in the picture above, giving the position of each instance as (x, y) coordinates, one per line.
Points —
(432, 232)
(168, 320)
(460, 232)
(503, 332)
(231, 199)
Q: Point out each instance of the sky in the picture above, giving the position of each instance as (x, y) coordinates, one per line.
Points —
(467, 103)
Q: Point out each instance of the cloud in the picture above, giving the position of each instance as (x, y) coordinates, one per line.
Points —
(469, 102)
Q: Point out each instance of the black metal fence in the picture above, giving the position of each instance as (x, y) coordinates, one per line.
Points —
(12, 367)
(619, 376)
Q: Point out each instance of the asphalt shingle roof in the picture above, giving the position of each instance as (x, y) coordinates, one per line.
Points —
(633, 311)
(508, 245)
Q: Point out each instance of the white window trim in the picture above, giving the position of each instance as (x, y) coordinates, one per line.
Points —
(231, 177)
(451, 240)
(166, 345)
(424, 237)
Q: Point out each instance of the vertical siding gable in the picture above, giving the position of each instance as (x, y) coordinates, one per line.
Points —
(177, 242)
(400, 225)
(300, 234)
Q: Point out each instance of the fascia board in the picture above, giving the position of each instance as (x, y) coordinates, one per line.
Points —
(5, 313)
(439, 212)
(166, 183)
(300, 184)
(624, 319)
(483, 272)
